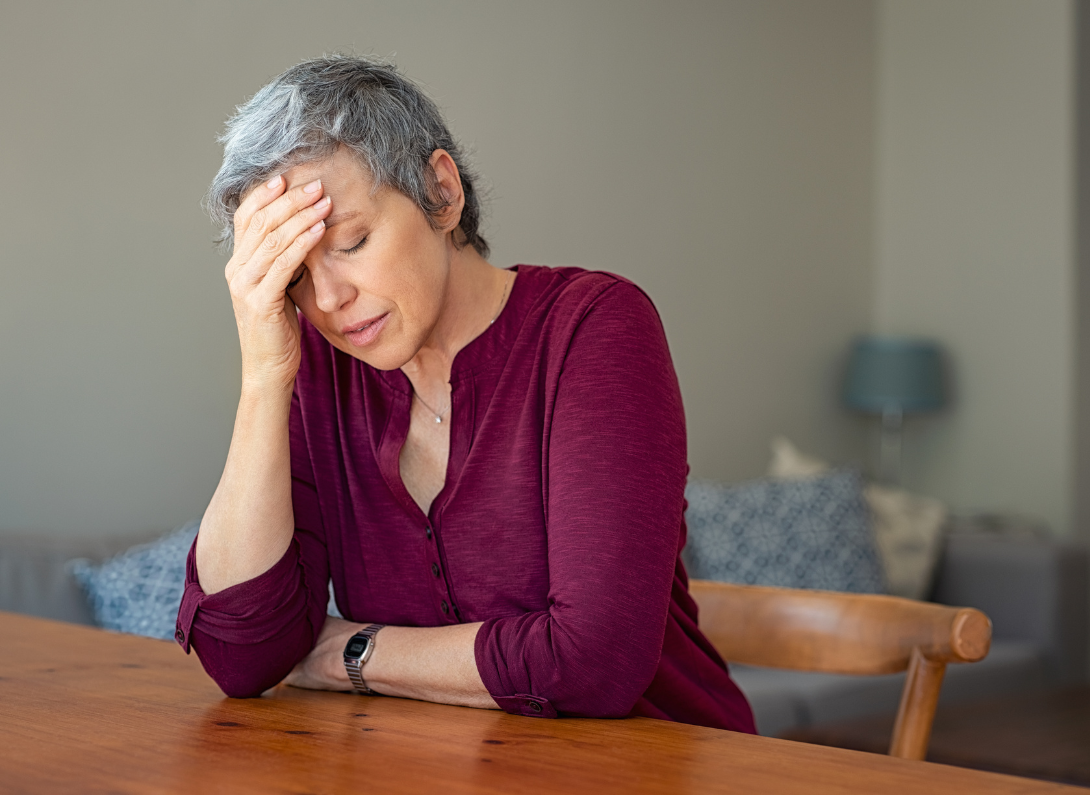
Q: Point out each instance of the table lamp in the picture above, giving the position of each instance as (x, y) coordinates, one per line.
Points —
(894, 376)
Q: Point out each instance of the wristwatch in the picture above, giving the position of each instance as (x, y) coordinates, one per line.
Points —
(358, 651)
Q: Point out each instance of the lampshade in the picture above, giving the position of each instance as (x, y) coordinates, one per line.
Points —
(894, 374)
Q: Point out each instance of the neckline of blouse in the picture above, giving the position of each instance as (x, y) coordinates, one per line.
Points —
(494, 340)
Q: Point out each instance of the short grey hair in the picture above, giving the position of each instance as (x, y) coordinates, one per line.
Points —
(320, 105)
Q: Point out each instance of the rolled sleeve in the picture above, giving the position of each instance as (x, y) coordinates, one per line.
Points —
(251, 635)
(249, 612)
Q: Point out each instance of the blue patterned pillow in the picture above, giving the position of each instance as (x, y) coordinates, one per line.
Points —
(139, 591)
(809, 533)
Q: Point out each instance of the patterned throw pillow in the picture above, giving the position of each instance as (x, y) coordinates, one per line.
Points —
(139, 591)
(811, 533)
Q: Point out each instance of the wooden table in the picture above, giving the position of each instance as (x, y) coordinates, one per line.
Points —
(1043, 734)
(82, 710)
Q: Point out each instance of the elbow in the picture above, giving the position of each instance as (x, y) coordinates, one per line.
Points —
(243, 684)
(243, 671)
(536, 666)
(599, 702)
(607, 688)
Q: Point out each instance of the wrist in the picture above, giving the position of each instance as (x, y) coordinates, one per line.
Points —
(265, 391)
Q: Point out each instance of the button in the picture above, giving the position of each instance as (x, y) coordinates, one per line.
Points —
(435, 569)
(444, 607)
(427, 532)
(534, 706)
(179, 635)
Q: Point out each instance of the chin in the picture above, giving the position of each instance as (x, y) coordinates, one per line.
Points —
(381, 357)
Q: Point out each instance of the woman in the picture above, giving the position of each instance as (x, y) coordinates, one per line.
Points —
(489, 464)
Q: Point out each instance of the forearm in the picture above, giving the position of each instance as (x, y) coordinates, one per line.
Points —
(425, 663)
(249, 522)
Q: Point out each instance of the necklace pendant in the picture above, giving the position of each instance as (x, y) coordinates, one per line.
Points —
(438, 419)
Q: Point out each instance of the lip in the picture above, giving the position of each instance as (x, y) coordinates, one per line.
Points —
(364, 332)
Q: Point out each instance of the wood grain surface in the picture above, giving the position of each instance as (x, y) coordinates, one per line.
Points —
(83, 710)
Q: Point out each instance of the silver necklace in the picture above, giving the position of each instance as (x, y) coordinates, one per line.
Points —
(439, 414)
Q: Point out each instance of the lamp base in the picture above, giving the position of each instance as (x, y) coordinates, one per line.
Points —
(889, 451)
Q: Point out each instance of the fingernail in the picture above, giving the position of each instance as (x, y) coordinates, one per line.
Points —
(313, 187)
(273, 183)
(322, 203)
(318, 227)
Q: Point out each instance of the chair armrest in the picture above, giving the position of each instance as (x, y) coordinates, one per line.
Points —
(1033, 590)
(845, 633)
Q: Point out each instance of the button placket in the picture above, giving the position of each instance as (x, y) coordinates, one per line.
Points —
(445, 604)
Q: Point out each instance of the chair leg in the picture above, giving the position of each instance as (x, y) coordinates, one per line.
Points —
(912, 731)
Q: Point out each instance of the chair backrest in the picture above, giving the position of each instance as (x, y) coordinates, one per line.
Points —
(847, 634)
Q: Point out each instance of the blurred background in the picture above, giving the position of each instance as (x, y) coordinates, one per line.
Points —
(789, 180)
(779, 176)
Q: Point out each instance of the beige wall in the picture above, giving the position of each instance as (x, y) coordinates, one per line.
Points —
(1081, 517)
(974, 240)
(719, 153)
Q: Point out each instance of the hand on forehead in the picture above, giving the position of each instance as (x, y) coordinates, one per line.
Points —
(344, 180)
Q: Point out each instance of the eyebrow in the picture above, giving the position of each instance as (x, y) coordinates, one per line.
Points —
(337, 218)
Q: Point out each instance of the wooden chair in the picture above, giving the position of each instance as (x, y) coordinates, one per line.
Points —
(848, 634)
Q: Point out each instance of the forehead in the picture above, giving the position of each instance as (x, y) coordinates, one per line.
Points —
(344, 179)
(342, 169)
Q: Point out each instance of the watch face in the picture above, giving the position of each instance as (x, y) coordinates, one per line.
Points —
(356, 647)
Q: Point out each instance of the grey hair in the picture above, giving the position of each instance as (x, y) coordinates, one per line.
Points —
(320, 105)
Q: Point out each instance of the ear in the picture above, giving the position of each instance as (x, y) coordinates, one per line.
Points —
(449, 184)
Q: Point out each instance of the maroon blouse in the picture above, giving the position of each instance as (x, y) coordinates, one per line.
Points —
(559, 526)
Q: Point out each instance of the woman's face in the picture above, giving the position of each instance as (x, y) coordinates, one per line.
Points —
(375, 284)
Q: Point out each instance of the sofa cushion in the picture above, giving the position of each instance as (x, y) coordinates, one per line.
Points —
(139, 590)
(810, 533)
(908, 528)
(909, 532)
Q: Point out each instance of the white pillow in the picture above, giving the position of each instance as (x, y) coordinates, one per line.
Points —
(908, 528)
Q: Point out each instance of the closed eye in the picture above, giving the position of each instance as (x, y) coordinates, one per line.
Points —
(356, 247)
(298, 277)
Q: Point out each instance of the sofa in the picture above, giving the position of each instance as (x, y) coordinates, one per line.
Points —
(1034, 589)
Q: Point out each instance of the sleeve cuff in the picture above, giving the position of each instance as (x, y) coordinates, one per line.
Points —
(526, 705)
(489, 662)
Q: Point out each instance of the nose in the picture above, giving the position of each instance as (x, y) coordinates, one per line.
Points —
(331, 292)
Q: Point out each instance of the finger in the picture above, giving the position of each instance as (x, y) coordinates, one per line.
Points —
(281, 239)
(274, 284)
(255, 199)
(260, 196)
(273, 214)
